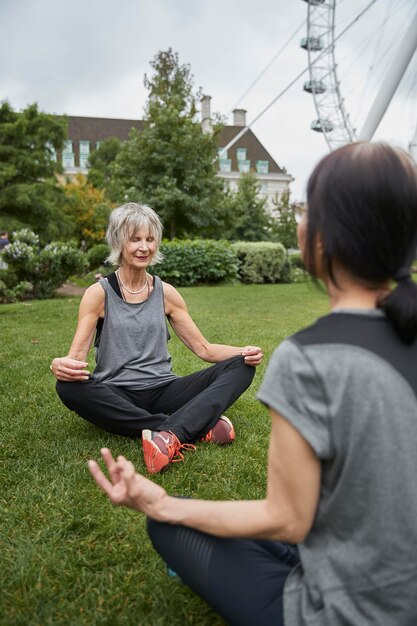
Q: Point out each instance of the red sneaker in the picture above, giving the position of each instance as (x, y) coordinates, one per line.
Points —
(160, 448)
(222, 432)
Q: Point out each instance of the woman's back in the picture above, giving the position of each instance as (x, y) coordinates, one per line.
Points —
(349, 385)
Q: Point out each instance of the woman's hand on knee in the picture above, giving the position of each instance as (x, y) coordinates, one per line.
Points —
(126, 487)
(253, 355)
(69, 370)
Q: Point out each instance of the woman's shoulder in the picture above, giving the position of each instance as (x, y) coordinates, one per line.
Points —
(94, 293)
(168, 290)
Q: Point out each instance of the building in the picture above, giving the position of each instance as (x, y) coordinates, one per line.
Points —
(246, 155)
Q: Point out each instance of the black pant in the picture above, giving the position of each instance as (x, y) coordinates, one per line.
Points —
(241, 579)
(188, 406)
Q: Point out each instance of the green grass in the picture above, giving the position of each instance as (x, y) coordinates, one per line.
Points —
(67, 556)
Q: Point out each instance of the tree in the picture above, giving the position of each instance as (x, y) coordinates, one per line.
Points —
(89, 210)
(29, 192)
(99, 174)
(284, 226)
(251, 221)
(171, 164)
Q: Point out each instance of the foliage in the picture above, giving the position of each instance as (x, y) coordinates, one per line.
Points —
(189, 262)
(68, 556)
(284, 226)
(292, 272)
(99, 174)
(89, 210)
(171, 164)
(260, 262)
(97, 255)
(45, 269)
(251, 221)
(29, 193)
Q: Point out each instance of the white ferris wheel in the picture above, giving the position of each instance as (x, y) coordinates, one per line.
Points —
(359, 78)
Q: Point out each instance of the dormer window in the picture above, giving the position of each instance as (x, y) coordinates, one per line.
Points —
(225, 165)
(241, 154)
(244, 166)
(262, 167)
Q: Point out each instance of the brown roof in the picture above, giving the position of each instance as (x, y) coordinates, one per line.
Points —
(95, 129)
(255, 150)
(98, 128)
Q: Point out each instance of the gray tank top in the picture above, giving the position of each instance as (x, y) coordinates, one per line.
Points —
(132, 350)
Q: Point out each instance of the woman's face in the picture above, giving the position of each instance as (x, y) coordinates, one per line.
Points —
(139, 250)
(301, 218)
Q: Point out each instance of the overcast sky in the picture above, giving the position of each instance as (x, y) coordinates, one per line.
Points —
(88, 57)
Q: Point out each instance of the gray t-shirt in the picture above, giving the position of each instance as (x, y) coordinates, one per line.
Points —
(349, 385)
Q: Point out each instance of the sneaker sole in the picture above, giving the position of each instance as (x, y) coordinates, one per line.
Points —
(155, 461)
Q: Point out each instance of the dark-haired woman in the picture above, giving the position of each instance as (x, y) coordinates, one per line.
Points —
(342, 462)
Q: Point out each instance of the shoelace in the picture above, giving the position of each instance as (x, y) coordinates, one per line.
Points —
(176, 446)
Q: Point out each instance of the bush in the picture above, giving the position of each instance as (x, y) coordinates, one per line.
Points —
(97, 255)
(293, 270)
(296, 260)
(260, 262)
(45, 269)
(190, 262)
(19, 291)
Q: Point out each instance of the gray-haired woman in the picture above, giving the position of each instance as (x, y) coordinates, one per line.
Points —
(133, 390)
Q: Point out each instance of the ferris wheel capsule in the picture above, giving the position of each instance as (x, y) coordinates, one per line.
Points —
(311, 43)
(322, 126)
(314, 86)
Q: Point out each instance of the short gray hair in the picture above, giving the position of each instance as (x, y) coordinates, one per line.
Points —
(126, 220)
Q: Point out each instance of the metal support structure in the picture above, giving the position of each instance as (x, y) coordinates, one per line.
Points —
(392, 80)
(333, 120)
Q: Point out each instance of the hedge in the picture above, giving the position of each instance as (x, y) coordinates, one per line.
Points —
(191, 262)
(260, 262)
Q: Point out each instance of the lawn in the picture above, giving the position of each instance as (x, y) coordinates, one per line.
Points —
(67, 556)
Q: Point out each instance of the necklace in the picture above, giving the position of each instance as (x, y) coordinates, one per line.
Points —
(133, 293)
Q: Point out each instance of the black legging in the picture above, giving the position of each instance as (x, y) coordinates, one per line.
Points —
(241, 579)
(188, 406)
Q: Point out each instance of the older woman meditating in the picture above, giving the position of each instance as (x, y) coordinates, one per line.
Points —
(133, 390)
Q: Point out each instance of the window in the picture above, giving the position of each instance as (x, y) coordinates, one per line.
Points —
(67, 155)
(262, 167)
(244, 166)
(98, 144)
(222, 154)
(84, 147)
(225, 165)
(241, 154)
(84, 161)
(67, 147)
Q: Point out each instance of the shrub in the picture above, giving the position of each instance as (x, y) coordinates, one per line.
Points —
(293, 273)
(45, 269)
(296, 260)
(260, 262)
(97, 255)
(190, 262)
(19, 291)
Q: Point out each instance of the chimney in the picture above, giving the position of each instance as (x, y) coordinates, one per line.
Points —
(206, 115)
(239, 117)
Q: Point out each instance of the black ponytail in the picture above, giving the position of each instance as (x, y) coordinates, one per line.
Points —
(400, 307)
